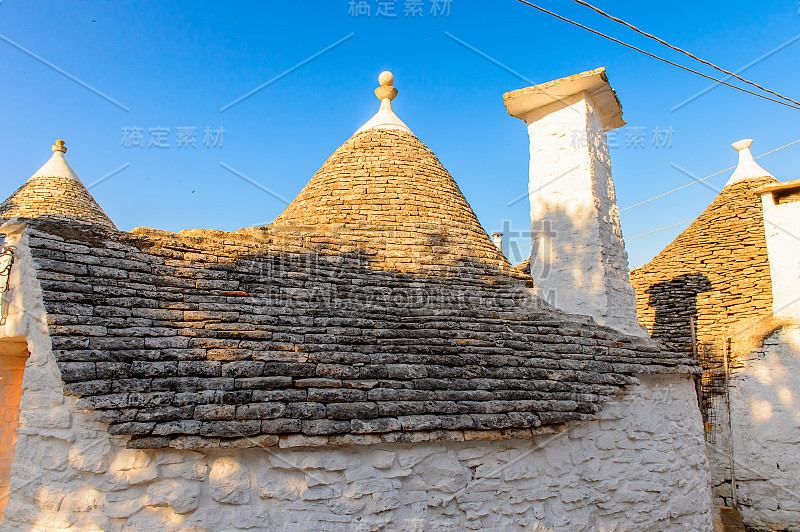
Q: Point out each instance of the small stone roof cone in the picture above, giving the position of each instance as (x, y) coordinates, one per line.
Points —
(55, 191)
(748, 167)
(387, 193)
(385, 117)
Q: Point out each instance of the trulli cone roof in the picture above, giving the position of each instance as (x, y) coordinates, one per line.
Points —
(55, 191)
(385, 193)
(719, 265)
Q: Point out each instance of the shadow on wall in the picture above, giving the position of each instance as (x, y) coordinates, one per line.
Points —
(675, 304)
(562, 269)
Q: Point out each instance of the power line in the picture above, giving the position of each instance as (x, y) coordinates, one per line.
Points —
(675, 190)
(657, 230)
(556, 15)
(522, 246)
(703, 179)
(684, 52)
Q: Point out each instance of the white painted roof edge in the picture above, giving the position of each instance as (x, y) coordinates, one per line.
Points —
(384, 119)
(748, 167)
(57, 165)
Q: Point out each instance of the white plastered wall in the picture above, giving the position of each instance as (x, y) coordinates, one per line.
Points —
(782, 230)
(765, 426)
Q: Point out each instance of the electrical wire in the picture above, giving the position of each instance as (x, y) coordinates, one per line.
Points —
(657, 230)
(684, 52)
(703, 179)
(578, 24)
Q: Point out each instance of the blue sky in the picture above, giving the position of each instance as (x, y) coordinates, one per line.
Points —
(176, 64)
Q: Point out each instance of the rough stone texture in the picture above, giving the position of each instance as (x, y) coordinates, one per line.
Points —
(765, 424)
(220, 335)
(385, 193)
(12, 364)
(717, 271)
(639, 466)
(578, 261)
(58, 198)
(372, 362)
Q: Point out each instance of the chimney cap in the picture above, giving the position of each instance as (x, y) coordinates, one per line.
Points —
(521, 102)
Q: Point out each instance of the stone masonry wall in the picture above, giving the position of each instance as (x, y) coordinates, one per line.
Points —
(765, 410)
(718, 272)
(639, 467)
(183, 341)
(12, 364)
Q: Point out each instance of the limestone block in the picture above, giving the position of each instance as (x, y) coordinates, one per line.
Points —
(133, 467)
(189, 470)
(382, 459)
(444, 473)
(124, 503)
(182, 496)
(280, 484)
(384, 501)
(160, 519)
(83, 499)
(55, 418)
(90, 455)
(229, 481)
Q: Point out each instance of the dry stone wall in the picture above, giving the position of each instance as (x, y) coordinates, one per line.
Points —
(58, 198)
(188, 341)
(640, 466)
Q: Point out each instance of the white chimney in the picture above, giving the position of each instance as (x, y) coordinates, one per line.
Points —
(578, 261)
(497, 238)
(781, 204)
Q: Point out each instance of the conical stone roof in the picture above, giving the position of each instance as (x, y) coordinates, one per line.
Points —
(716, 271)
(55, 191)
(384, 193)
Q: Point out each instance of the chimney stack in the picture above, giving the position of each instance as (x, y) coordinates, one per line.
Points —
(578, 261)
(497, 238)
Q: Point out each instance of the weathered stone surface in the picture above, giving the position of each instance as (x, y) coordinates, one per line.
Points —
(183, 496)
(415, 318)
(229, 481)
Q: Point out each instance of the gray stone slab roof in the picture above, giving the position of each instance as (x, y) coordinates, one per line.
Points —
(207, 338)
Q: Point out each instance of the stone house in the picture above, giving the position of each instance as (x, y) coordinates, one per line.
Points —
(367, 361)
(728, 288)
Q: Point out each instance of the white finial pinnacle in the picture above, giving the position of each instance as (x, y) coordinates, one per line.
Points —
(57, 165)
(386, 78)
(386, 91)
(59, 146)
(748, 167)
(385, 117)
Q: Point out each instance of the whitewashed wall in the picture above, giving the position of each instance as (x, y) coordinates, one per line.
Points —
(781, 224)
(641, 466)
(579, 262)
(765, 424)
